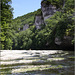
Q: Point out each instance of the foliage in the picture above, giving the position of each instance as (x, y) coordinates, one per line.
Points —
(57, 3)
(61, 3)
(6, 17)
(62, 24)
(39, 12)
(59, 25)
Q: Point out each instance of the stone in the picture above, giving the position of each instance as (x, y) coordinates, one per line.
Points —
(47, 10)
(26, 26)
(58, 41)
(39, 21)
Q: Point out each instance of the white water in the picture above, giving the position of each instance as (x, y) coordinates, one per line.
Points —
(22, 61)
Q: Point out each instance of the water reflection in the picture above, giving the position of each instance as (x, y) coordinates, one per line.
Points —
(37, 62)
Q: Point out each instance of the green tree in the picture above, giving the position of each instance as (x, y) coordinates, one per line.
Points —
(6, 17)
(25, 39)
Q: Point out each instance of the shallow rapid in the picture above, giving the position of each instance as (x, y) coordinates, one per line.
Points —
(37, 62)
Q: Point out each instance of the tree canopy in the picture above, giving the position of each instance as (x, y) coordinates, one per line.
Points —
(6, 18)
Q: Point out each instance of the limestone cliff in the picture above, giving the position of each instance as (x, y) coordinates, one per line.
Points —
(47, 11)
(39, 21)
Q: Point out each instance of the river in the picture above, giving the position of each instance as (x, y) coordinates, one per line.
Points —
(36, 62)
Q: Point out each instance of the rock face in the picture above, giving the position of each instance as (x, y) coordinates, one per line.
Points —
(58, 41)
(39, 21)
(65, 42)
(26, 26)
(47, 10)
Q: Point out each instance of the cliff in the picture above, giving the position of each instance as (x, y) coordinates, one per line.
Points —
(39, 21)
(51, 27)
(47, 11)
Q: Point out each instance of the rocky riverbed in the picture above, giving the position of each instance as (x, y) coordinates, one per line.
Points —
(33, 62)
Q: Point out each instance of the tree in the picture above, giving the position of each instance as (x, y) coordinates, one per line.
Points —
(6, 18)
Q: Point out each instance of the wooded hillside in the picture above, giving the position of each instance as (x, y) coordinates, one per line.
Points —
(21, 33)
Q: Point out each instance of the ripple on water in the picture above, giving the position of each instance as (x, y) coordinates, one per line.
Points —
(37, 62)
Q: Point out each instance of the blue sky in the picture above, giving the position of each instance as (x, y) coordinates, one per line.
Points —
(22, 7)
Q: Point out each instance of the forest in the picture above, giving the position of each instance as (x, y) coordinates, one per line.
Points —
(60, 24)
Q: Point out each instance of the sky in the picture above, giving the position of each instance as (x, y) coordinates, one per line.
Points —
(22, 7)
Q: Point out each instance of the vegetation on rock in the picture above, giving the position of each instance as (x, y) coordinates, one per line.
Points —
(59, 25)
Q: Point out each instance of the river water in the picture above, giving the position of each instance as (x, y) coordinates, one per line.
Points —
(36, 62)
